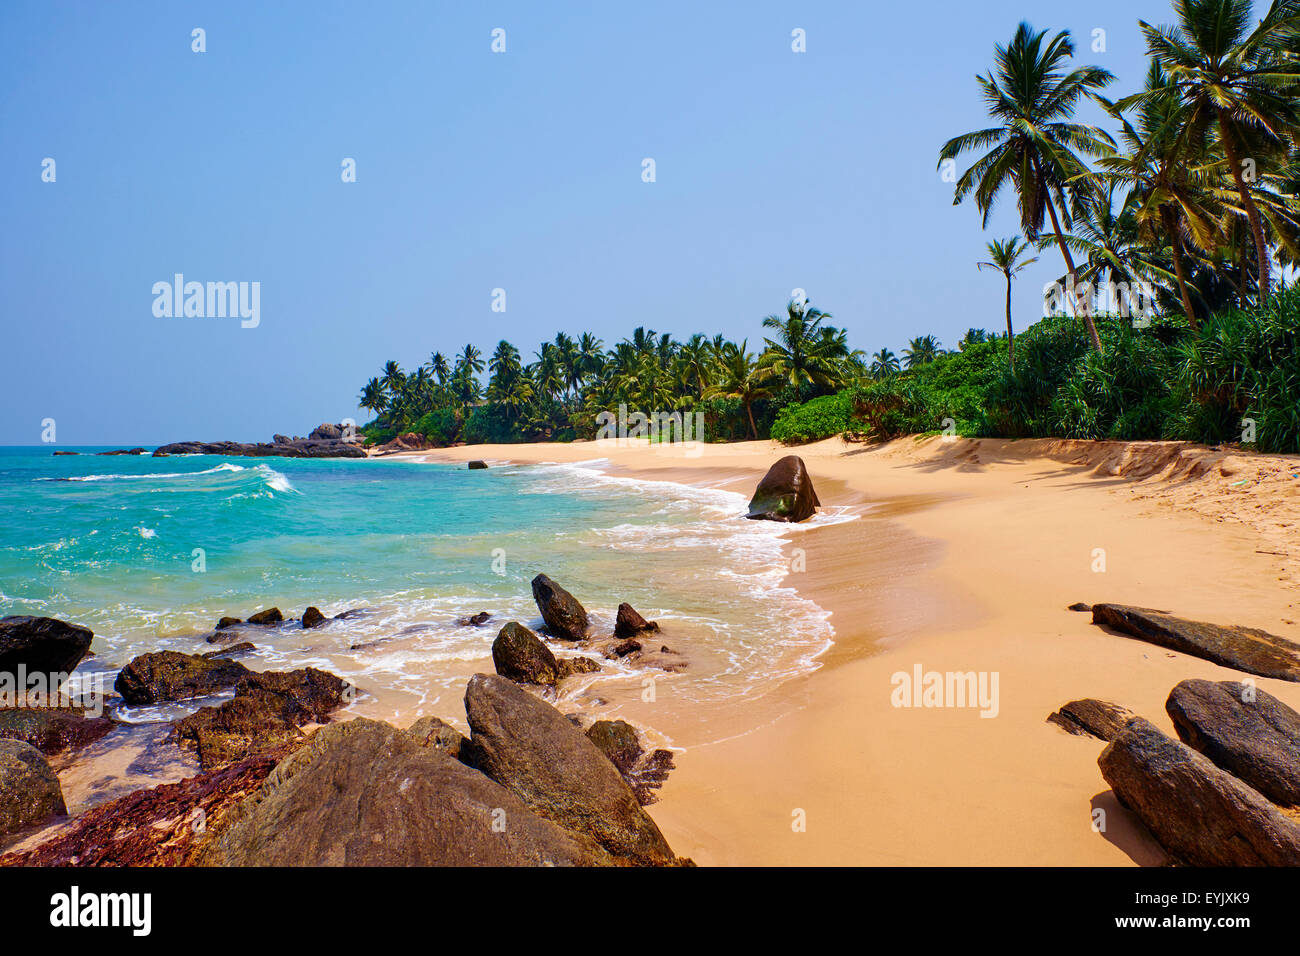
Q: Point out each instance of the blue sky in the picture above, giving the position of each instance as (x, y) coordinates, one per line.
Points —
(475, 171)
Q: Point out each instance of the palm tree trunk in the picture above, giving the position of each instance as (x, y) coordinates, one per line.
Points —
(1182, 279)
(1252, 211)
(752, 427)
(1084, 308)
(1011, 338)
(1170, 221)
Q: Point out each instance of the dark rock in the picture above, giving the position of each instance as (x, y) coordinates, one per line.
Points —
(226, 622)
(29, 790)
(476, 620)
(785, 493)
(519, 654)
(281, 440)
(168, 675)
(576, 665)
(243, 647)
(1243, 648)
(408, 441)
(629, 623)
(1095, 718)
(123, 451)
(529, 748)
(326, 431)
(312, 617)
(621, 743)
(52, 730)
(1250, 734)
(362, 793)
(617, 740)
(271, 615)
(1079, 606)
(263, 717)
(294, 448)
(57, 453)
(439, 734)
(42, 645)
(1201, 815)
(160, 826)
(624, 648)
(477, 465)
(564, 616)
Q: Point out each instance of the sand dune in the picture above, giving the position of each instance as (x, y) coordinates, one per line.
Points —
(965, 559)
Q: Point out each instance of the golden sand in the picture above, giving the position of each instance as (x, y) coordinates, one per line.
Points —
(965, 559)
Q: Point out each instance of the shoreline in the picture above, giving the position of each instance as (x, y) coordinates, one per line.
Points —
(966, 560)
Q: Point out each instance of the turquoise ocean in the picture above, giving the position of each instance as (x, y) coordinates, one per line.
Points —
(150, 552)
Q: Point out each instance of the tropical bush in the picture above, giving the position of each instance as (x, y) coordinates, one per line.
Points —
(814, 420)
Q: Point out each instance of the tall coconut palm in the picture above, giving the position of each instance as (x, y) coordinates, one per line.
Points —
(740, 377)
(799, 354)
(372, 397)
(921, 351)
(884, 364)
(439, 368)
(1171, 175)
(1007, 256)
(1239, 77)
(1035, 149)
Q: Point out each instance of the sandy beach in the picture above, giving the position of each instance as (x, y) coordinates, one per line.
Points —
(965, 557)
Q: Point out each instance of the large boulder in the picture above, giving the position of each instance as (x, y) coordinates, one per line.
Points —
(785, 493)
(169, 675)
(270, 616)
(362, 793)
(1248, 733)
(1201, 815)
(42, 645)
(264, 716)
(312, 617)
(564, 616)
(532, 750)
(628, 623)
(327, 432)
(1243, 648)
(520, 655)
(52, 730)
(1095, 718)
(29, 790)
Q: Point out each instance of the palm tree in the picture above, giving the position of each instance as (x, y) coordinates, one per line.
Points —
(1035, 147)
(439, 367)
(921, 351)
(508, 386)
(1005, 256)
(741, 378)
(884, 364)
(1172, 198)
(470, 358)
(800, 353)
(372, 397)
(1240, 78)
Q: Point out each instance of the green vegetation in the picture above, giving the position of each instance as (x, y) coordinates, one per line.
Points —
(1179, 218)
(558, 396)
(820, 418)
